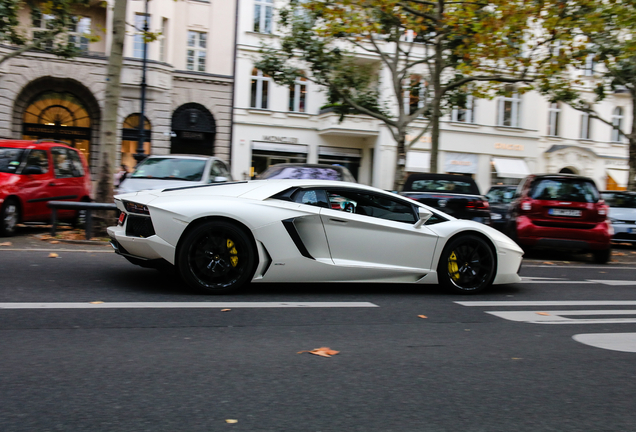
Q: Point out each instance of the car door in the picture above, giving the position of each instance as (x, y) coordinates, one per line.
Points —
(68, 182)
(366, 229)
(34, 185)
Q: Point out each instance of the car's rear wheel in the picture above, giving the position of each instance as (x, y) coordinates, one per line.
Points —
(9, 217)
(467, 265)
(602, 256)
(216, 257)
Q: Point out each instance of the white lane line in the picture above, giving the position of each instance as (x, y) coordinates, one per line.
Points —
(571, 282)
(614, 282)
(559, 317)
(550, 303)
(185, 305)
(528, 278)
(57, 250)
(625, 342)
(561, 267)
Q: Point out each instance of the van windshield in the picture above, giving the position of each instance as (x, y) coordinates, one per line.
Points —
(10, 159)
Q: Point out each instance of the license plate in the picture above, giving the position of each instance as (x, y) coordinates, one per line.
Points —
(122, 218)
(564, 212)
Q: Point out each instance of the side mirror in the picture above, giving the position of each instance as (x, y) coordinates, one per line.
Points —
(424, 216)
(32, 169)
(219, 179)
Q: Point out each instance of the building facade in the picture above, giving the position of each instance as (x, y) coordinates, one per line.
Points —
(496, 141)
(189, 81)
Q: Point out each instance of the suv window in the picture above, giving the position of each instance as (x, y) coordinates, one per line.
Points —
(78, 168)
(38, 159)
(62, 163)
(564, 189)
(440, 185)
(500, 195)
(10, 159)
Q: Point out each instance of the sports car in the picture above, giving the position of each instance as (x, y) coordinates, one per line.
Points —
(218, 237)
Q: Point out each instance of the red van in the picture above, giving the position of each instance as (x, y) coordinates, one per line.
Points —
(561, 211)
(33, 173)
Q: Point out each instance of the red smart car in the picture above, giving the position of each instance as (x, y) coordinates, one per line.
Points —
(561, 211)
(34, 173)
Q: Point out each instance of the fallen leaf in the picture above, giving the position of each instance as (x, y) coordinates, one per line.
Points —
(566, 262)
(548, 262)
(225, 310)
(422, 316)
(633, 253)
(5, 244)
(54, 242)
(619, 254)
(97, 302)
(602, 272)
(231, 421)
(46, 237)
(517, 358)
(543, 313)
(322, 352)
(53, 255)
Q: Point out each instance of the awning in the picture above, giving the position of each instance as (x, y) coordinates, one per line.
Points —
(279, 147)
(417, 161)
(511, 168)
(621, 177)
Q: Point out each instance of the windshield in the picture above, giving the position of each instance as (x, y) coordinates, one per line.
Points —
(170, 169)
(440, 185)
(316, 173)
(500, 195)
(620, 200)
(564, 189)
(10, 159)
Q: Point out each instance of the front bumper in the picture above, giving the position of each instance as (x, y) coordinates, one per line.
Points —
(624, 233)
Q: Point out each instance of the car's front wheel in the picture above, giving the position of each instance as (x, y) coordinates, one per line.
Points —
(602, 256)
(9, 217)
(216, 257)
(467, 265)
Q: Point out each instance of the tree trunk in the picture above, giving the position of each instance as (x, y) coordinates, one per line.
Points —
(399, 178)
(108, 155)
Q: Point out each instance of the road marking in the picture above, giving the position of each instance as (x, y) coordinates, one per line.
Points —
(625, 342)
(561, 267)
(550, 303)
(614, 282)
(557, 317)
(57, 250)
(526, 281)
(185, 305)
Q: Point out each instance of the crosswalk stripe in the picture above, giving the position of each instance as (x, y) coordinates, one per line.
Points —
(560, 317)
(625, 342)
(185, 305)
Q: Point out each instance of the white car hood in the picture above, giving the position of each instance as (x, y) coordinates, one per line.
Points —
(622, 213)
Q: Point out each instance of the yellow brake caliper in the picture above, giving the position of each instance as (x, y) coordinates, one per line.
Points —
(233, 253)
(453, 268)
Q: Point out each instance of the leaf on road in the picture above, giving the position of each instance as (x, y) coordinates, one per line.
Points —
(231, 421)
(602, 272)
(5, 244)
(53, 255)
(225, 310)
(54, 242)
(46, 237)
(97, 302)
(517, 358)
(322, 352)
(422, 316)
(543, 313)
(618, 254)
(548, 262)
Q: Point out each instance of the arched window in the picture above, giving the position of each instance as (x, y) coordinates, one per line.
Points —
(130, 139)
(617, 122)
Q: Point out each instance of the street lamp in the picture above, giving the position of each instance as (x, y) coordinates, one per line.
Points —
(139, 156)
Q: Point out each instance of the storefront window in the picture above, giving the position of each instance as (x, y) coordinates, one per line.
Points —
(130, 139)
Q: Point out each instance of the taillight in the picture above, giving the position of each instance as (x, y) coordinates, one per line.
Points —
(602, 211)
(526, 205)
(477, 204)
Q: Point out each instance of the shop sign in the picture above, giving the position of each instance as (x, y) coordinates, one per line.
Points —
(280, 139)
(465, 163)
(191, 135)
(57, 131)
(504, 146)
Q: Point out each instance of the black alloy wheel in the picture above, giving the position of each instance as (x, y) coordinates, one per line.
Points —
(467, 265)
(9, 218)
(217, 257)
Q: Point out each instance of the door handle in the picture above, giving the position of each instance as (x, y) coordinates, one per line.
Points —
(338, 220)
(52, 184)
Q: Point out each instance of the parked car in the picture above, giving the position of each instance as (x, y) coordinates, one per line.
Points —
(455, 195)
(307, 171)
(561, 211)
(223, 236)
(32, 173)
(167, 171)
(622, 215)
(499, 199)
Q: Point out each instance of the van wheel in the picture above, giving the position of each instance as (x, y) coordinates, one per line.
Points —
(9, 218)
(602, 256)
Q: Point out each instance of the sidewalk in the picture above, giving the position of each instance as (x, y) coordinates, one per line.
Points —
(39, 238)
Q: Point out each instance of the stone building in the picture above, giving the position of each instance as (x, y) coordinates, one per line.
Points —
(190, 72)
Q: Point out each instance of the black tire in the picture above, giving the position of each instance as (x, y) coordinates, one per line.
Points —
(9, 217)
(602, 256)
(467, 265)
(216, 257)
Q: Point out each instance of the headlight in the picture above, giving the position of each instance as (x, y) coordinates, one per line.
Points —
(135, 208)
(495, 216)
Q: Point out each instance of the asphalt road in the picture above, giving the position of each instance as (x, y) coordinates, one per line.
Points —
(467, 366)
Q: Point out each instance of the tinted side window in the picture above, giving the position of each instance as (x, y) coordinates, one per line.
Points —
(78, 168)
(38, 158)
(62, 163)
(371, 205)
(313, 197)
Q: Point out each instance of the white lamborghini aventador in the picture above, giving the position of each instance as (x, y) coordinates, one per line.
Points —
(221, 236)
